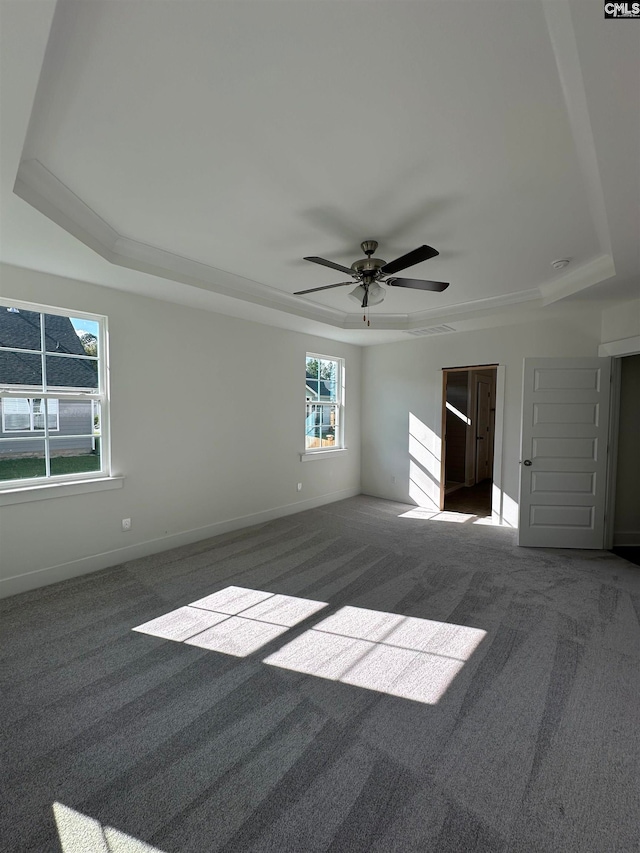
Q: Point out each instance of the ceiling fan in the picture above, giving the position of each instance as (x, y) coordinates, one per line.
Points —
(370, 273)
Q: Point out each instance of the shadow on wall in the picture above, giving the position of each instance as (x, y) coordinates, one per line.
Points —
(425, 466)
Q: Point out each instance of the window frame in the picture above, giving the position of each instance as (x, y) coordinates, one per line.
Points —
(339, 402)
(99, 398)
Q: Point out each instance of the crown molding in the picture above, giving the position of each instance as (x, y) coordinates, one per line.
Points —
(563, 42)
(593, 272)
(40, 188)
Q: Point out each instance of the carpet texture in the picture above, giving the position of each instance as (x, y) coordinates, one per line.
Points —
(522, 734)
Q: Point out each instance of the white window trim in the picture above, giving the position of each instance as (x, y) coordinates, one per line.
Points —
(339, 448)
(38, 488)
(325, 453)
(52, 489)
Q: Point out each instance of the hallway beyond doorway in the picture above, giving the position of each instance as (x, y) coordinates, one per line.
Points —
(473, 499)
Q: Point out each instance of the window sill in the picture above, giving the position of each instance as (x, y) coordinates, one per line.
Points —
(323, 454)
(44, 491)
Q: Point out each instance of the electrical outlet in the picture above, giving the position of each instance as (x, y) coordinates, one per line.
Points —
(126, 524)
(299, 487)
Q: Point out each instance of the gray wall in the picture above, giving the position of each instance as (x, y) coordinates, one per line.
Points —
(185, 389)
(401, 455)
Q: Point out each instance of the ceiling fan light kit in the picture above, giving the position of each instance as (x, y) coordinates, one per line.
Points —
(370, 273)
(375, 294)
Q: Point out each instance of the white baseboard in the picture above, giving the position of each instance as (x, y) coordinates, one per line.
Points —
(85, 565)
(626, 537)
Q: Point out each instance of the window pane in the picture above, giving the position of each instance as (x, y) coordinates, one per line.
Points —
(20, 369)
(312, 429)
(53, 412)
(21, 460)
(61, 336)
(329, 422)
(321, 425)
(313, 389)
(96, 417)
(19, 329)
(88, 334)
(16, 415)
(71, 372)
(40, 407)
(74, 456)
(75, 417)
(328, 375)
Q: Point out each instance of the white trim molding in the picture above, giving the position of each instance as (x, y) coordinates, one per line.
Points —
(323, 454)
(625, 346)
(85, 565)
(45, 491)
(40, 188)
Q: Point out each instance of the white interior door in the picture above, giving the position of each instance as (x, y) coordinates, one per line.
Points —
(563, 464)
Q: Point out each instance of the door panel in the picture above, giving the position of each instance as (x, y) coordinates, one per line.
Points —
(564, 442)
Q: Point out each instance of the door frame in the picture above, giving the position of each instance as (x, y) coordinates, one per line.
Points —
(616, 350)
(498, 432)
(476, 379)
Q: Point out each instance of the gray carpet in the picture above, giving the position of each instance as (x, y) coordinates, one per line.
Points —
(147, 743)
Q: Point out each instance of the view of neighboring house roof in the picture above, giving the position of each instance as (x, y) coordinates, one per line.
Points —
(319, 389)
(21, 330)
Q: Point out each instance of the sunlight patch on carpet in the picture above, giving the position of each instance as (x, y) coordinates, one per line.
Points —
(234, 621)
(399, 655)
(403, 656)
(437, 515)
(79, 833)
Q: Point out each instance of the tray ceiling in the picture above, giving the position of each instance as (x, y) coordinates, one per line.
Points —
(214, 145)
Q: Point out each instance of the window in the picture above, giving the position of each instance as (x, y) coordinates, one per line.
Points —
(52, 395)
(324, 416)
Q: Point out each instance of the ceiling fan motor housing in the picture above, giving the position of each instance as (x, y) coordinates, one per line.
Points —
(368, 265)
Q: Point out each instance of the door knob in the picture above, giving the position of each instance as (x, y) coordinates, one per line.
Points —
(527, 462)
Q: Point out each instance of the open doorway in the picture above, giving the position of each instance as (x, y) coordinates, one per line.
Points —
(468, 432)
(624, 536)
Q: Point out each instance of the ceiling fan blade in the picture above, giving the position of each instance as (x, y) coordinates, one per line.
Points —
(326, 263)
(418, 284)
(326, 287)
(422, 253)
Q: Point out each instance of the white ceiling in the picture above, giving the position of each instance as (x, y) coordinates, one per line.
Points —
(197, 151)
